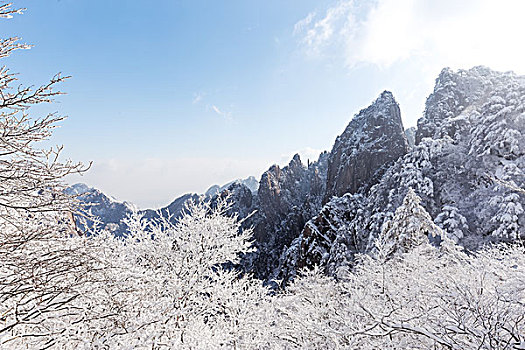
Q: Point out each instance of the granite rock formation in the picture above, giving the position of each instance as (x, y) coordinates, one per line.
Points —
(374, 139)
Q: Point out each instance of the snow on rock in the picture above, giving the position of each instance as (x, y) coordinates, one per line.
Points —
(111, 212)
(250, 182)
(287, 198)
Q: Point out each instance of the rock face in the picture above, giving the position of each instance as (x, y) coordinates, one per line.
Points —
(242, 201)
(109, 211)
(454, 94)
(175, 209)
(287, 198)
(374, 138)
(250, 182)
(372, 141)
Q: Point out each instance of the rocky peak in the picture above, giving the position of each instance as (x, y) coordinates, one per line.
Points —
(470, 138)
(241, 198)
(296, 161)
(287, 198)
(107, 209)
(374, 138)
(281, 189)
(456, 94)
(250, 182)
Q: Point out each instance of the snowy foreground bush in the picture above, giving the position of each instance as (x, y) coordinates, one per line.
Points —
(409, 294)
(427, 298)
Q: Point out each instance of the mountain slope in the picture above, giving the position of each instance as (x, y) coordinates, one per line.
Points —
(111, 212)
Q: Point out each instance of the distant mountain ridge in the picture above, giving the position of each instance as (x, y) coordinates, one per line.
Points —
(250, 182)
(326, 212)
(111, 211)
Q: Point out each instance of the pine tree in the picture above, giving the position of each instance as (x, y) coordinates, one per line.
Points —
(452, 222)
(409, 227)
(416, 165)
(507, 216)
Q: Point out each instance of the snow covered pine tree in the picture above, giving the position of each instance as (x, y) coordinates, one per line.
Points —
(409, 227)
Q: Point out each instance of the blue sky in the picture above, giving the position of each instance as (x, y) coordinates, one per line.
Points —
(169, 97)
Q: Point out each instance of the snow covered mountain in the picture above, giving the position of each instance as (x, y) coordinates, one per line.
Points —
(464, 160)
(286, 199)
(107, 209)
(110, 212)
(250, 182)
(468, 156)
(374, 138)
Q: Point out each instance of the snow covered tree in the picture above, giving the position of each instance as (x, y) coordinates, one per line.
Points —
(428, 299)
(446, 109)
(452, 222)
(416, 165)
(40, 268)
(198, 301)
(163, 286)
(507, 216)
(166, 286)
(409, 227)
(499, 133)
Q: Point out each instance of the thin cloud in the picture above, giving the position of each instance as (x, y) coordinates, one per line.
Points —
(155, 182)
(197, 97)
(225, 115)
(304, 23)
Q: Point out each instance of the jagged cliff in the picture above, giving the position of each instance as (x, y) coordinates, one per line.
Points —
(374, 138)
(372, 141)
(287, 198)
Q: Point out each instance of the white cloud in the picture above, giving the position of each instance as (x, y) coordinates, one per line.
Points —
(302, 24)
(198, 98)
(217, 110)
(446, 33)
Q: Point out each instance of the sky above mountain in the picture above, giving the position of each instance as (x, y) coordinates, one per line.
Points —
(168, 97)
